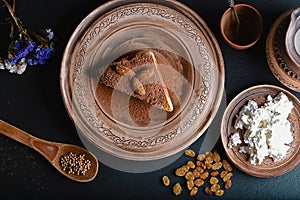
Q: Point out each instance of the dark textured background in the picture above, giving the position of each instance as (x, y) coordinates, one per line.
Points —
(33, 102)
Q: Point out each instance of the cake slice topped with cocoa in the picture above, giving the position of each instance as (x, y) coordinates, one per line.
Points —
(137, 74)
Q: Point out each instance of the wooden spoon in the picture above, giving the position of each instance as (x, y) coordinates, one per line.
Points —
(53, 151)
(232, 6)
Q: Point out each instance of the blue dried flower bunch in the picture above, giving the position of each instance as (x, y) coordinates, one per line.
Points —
(30, 47)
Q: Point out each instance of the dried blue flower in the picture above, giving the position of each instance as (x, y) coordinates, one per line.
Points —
(32, 47)
(40, 56)
(50, 33)
(21, 52)
(18, 68)
(25, 51)
(2, 66)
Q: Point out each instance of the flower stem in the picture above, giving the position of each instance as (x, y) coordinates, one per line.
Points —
(42, 40)
(11, 35)
(16, 19)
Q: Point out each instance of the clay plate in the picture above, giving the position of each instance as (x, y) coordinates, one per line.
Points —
(116, 28)
(268, 168)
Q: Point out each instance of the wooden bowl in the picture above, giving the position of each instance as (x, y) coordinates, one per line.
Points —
(268, 168)
(247, 33)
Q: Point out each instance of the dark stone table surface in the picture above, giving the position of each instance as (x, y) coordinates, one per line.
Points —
(33, 102)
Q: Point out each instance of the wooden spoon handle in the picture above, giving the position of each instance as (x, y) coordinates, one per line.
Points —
(48, 149)
(15, 133)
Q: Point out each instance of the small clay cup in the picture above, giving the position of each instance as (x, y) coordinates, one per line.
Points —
(247, 33)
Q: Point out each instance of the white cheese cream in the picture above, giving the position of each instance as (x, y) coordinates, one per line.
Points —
(267, 129)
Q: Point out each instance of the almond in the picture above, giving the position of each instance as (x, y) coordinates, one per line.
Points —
(124, 71)
(137, 86)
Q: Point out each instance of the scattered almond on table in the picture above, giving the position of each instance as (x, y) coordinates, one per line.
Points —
(209, 168)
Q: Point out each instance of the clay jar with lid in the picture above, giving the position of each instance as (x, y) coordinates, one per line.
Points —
(292, 38)
(247, 32)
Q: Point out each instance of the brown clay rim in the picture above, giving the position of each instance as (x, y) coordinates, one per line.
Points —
(268, 168)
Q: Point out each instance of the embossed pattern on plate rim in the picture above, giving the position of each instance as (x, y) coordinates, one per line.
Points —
(128, 142)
